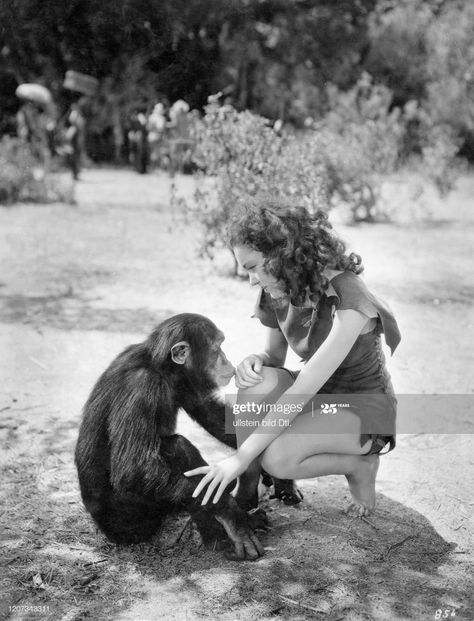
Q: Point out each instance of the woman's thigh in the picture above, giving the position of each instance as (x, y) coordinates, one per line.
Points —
(315, 433)
(275, 382)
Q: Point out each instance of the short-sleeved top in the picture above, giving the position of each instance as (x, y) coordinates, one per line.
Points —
(306, 327)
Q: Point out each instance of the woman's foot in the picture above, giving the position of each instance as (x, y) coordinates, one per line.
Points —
(362, 486)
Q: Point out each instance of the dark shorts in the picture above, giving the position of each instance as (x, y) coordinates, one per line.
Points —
(378, 412)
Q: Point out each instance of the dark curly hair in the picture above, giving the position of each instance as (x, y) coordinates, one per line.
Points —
(297, 245)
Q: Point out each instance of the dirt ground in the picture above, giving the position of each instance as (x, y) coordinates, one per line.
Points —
(79, 283)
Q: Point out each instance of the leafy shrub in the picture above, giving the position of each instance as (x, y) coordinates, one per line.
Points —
(340, 159)
(245, 156)
(439, 158)
(361, 138)
(23, 179)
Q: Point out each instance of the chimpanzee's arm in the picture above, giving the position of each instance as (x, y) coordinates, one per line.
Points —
(209, 412)
(141, 412)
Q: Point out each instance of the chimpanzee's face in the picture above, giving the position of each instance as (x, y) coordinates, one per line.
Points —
(253, 261)
(219, 368)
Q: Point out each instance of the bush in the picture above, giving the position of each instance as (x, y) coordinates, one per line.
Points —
(245, 155)
(361, 138)
(340, 159)
(23, 179)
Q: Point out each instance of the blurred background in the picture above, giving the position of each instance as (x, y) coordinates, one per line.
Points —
(393, 80)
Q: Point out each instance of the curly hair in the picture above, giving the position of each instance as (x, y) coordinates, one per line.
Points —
(297, 245)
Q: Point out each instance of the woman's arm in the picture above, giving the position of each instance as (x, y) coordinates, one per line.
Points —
(323, 363)
(249, 371)
(276, 348)
(346, 327)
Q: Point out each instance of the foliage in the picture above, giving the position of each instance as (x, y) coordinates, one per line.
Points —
(439, 158)
(362, 138)
(450, 88)
(424, 52)
(23, 179)
(274, 57)
(340, 159)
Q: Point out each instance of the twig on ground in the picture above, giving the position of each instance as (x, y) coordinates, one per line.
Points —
(398, 544)
(369, 522)
(301, 605)
(40, 364)
(333, 525)
(102, 560)
(29, 407)
(181, 533)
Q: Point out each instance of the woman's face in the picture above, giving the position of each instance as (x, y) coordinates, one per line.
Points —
(252, 261)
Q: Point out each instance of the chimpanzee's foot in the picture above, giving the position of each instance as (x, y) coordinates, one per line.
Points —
(286, 490)
(257, 519)
(213, 534)
(362, 486)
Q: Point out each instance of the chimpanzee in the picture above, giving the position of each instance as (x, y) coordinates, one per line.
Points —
(130, 461)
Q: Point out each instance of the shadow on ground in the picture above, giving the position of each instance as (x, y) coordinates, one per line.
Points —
(318, 563)
(70, 311)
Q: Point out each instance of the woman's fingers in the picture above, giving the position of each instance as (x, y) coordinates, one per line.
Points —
(250, 370)
(244, 380)
(210, 489)
(200, 470)
(243, 383)
(202, 484)
(220, 491)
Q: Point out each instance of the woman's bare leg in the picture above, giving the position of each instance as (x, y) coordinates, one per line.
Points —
(275, 382)
(359, 470)
(316, 444)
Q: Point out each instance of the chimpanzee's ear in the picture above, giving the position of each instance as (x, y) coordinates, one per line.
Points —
(180, 352)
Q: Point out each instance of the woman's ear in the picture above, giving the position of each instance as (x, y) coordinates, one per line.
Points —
(180, 352)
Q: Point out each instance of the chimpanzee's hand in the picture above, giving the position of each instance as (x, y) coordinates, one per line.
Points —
(217, 476)
(249, 371)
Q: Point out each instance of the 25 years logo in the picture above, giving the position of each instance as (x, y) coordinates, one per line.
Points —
(331, 408)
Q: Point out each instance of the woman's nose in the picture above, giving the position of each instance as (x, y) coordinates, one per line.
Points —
(253, 280)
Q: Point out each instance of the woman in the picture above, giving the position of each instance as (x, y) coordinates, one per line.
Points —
(312, 299)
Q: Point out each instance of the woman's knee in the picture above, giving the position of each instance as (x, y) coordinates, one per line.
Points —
(277, 462)
(275, 381)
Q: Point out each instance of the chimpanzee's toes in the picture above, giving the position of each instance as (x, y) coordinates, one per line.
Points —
(287, 491)
(248, 548)
(257, 519)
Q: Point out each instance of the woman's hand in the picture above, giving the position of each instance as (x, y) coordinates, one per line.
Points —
(219, 475)
(249, 371)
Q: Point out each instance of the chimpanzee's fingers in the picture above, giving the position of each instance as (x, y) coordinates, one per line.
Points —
(200, 470)
(257, 544)
(238, 554)
(210, 489)
(220, 491)
(251, 551)
(202, 484)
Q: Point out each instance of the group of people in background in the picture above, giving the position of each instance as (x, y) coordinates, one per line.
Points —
(48, 136)
(158, 138)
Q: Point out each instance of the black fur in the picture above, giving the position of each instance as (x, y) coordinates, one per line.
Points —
(130, 462)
